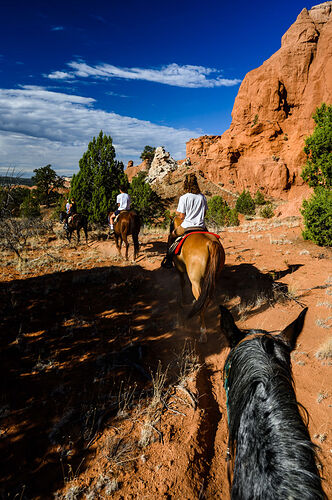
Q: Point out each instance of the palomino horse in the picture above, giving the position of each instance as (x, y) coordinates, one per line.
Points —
(77, 222)
(202, 257)
(127, 222)
(270, 453)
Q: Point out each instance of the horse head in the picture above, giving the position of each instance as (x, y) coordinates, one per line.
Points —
(266, 428)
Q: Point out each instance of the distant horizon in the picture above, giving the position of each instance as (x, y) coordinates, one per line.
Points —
(143, 74)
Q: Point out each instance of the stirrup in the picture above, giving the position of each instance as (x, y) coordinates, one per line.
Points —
(167, 262)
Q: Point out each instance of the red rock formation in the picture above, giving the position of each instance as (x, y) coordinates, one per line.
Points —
(131, 170)
(272, 114)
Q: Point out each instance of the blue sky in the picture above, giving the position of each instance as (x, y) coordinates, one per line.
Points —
(156, 73)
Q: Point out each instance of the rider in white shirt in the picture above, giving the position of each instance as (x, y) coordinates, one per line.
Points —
(191, 209)
(123, 202)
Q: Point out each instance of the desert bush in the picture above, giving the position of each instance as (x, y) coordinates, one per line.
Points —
(60, 206)
(30, 207)
(317, 215)
(245, 204)
(14, 233)
(267, 211)
(220, 214)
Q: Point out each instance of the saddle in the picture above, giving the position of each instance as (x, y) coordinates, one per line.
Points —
(117, 216)
(176, 247)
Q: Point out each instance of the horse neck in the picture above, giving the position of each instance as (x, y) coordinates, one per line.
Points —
(274, 457)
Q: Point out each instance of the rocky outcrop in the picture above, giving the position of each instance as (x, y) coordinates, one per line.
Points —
(131, 170)
(272, 113)
(161, 165)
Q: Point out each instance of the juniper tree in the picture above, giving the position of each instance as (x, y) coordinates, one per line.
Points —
(47, 182)
(97, 183)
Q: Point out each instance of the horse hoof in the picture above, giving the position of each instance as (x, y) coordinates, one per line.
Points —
(203, 338)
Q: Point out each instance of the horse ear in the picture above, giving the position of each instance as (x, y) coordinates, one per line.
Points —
(229, 328)
(291, 332)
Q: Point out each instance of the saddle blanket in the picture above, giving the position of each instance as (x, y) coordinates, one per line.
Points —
(179, 241)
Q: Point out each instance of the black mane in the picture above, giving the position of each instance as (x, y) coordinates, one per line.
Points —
(274, 456)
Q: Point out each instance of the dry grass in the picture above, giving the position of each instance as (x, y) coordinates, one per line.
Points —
(324, 323)
(325, 350)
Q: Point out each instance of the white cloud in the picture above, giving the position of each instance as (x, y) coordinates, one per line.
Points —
(187, 76)
(38, 127)
(60, 75)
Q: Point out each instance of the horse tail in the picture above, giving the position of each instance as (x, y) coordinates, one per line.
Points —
(215, 261)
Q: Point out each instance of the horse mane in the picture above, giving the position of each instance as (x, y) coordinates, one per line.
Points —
(274, 456)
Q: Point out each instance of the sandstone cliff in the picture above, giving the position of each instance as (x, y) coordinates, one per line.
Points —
(272, 113)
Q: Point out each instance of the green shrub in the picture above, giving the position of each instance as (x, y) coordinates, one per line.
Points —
(259, 198)
(317, 214)
(59, 207)
(220, 214)
(147, 202)
(267, 211)
(245, 204)
(30, 207)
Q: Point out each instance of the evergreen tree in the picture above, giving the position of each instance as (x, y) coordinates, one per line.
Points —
(317, 211)
(97, 183)
(220, 214)
(47, 182)
(148, 153)
(245, 204)
(147, 202)
(318, 148)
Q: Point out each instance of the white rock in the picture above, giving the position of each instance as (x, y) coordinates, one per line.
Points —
(161, 165)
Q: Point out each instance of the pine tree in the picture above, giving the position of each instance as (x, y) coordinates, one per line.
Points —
(97, 183)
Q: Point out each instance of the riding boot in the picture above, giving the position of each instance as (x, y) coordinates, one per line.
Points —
(167, 262)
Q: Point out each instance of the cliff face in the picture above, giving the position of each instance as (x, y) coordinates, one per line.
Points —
(272, 113)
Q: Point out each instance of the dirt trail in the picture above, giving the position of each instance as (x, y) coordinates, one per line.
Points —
(75, 335)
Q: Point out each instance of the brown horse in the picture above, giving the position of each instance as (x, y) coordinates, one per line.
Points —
(202, 258)
(127, 222)
(78, 222)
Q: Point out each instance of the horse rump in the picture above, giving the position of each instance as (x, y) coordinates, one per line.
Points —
(209, 281)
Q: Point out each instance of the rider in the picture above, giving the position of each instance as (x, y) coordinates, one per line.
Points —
(72, 210)
(191, 209)
(67, 206)
(123, 202)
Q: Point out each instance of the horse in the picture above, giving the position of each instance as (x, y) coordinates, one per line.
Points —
(270, 454)
(78, 222)
(202, 258)
(127, 222)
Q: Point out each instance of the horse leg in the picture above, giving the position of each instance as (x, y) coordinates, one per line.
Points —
(136, 244)
(78, 236)
(86, 233)
(118, 245)
(183, 286)
(196, 289)
(126, 242)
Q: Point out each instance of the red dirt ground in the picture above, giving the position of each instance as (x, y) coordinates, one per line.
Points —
(86, 340)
